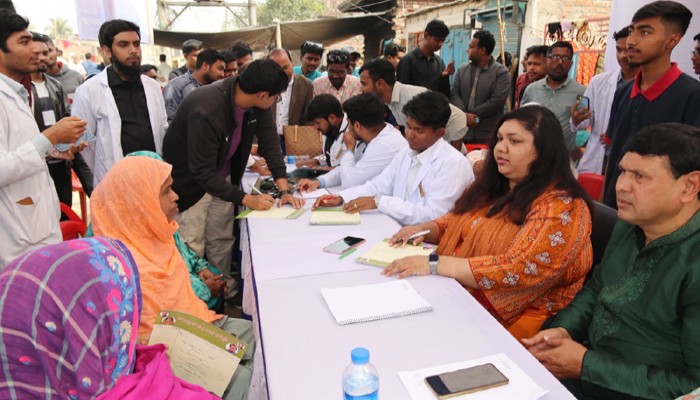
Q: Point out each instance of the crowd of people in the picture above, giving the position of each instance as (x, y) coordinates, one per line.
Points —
(162, 151)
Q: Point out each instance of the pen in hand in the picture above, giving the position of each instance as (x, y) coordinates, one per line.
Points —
(415, 235)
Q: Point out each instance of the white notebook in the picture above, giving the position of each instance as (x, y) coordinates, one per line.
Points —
(372, 302)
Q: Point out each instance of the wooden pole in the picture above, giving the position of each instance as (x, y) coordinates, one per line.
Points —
(501, 27)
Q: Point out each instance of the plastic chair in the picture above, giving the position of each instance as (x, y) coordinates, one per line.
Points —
(592, 184)
(476, 146)
(78, 187)
(75, 227)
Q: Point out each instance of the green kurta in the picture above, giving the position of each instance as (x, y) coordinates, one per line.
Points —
(639, 317)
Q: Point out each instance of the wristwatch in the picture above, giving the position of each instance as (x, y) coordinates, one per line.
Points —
(283, 192)
(433, 262)
(477, 120)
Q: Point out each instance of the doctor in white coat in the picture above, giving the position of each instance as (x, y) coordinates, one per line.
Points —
(423, 181)
(94, 100)
(29, 211)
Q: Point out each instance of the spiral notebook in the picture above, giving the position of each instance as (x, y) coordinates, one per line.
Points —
(365, 303)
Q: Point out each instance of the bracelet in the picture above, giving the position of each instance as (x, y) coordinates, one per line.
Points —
(283, 192)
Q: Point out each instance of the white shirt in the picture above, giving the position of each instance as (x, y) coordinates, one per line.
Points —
(94, 102)
(283, 107)
(29, 210)
(444, 175)
(359, 166)
(600, 90)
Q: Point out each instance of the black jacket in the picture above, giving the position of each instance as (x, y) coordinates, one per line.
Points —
(197, 142)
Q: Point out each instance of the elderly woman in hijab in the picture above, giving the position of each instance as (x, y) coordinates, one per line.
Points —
(135, 203)
(73, 338)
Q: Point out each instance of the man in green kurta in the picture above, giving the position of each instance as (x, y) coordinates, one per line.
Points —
(634, 329)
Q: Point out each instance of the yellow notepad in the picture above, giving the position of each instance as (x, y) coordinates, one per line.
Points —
(381, 255)
(335, 216)
(273, 213)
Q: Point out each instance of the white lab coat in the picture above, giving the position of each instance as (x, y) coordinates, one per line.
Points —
(24, 177)
(364, 164)
(439, 182)
(94, 102)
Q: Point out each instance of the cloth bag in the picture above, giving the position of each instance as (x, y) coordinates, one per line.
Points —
(301, 140)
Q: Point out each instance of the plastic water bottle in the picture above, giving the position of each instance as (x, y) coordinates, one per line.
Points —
(360, 379)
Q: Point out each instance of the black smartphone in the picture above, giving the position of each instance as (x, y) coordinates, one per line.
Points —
(343, 245)
(467, 380)
(584, 103)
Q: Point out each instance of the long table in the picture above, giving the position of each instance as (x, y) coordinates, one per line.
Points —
(304, 351)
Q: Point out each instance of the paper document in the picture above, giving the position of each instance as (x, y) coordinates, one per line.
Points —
(284, 212)
(372, 302)
(381, 255)
(199, 352)
(315, 194)
(334, 216)
(520, 385)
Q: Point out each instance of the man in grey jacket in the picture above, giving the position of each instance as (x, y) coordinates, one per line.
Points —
(480, 88)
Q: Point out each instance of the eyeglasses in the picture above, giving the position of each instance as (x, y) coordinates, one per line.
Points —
(338, 57)
(557, 58)
(312, 47)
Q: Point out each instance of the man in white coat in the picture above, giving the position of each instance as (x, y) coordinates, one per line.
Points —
(424, 180)
(124, 109)
(370, 145)
(29, 211)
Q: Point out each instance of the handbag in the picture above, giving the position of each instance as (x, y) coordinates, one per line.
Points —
(302, 140)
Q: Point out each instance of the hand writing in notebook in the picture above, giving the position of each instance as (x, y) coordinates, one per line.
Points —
(329, 200)
(416, 234)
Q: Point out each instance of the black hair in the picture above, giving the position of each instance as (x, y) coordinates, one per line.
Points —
(148, 67)
(621, 34)
(162, 58)
(561, 44)
(367, 109)
(7, 5)
(437, 28)
(550, 168)
(322, 106)
(539, 50)
(40, 37)
(88, 55)
(674, 15)
(380, 68)
(336, 57)
(697, 37)
(190, 45)
(486, 40)
(10, 23)
(311, 47)
(263, 76)
(429, 108)
(509, 59)
(228, 56)
(393, 49)
(241, 49)
(209, 56)
(112, 28)
(680, 143)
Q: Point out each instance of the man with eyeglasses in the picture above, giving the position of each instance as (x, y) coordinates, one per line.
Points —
(311, 53)
(695, 58)
(422, 67)
(661, 92)
(338, 82)
(557, 91)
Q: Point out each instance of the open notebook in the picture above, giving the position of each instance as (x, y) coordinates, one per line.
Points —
(273, 213)
(381, 255)
(372, 302)
(333, 216)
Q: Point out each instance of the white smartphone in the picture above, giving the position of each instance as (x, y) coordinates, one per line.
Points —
(343, 245)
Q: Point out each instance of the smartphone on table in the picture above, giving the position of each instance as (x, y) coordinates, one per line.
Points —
(467, 380)
(584, 103)
(343, 245)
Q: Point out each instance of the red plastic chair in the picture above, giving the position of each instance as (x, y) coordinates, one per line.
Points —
(75, 227)
(475, 146)
(592, 184)
(78, 187)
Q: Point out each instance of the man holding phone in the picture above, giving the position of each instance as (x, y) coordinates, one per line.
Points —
(557, 91)
(596, 114)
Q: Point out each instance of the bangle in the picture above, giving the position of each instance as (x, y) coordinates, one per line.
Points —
(283, 192)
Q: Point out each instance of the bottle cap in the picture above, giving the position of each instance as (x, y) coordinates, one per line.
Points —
(359, 355)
